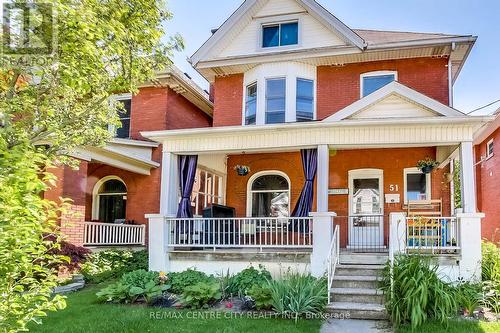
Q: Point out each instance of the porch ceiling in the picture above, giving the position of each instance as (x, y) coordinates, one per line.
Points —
(373, 133)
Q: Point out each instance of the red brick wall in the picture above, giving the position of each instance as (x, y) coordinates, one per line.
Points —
(488, 188)
(71, 184)
(143, 192)
(338, 87)
(157, 108)
(228, 94)
(392, 161)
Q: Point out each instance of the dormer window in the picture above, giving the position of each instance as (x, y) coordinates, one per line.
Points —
(371, 82)
(281, 34)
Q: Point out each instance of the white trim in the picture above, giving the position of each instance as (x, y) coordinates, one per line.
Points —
(95, 194)
(428, 181)
(398, 89)
(490, 143)
(279, 20)
(266, 173)
(371, 74)
(312, 7)
(132, 142)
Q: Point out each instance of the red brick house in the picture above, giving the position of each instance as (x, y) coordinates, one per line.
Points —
(309, 159)
(121, 181)
(487, 167)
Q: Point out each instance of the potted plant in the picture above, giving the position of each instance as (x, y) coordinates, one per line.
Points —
(242, 170)
(427, 165)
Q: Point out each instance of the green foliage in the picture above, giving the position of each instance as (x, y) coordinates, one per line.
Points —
(241, 282)
(468, 296)
(296, 294)
(140, 278)
(490, 262)
(457, 195)
(110, 264)
(132, 286)
(201, 295)
(179, 281)
(262, 296)
(49, 106)
(427, 162)
(414, 293)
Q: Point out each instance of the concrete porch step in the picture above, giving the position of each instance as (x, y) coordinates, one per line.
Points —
(370, 270)
(357, 295)
(353, 281)
(358, 310)
(363, 258)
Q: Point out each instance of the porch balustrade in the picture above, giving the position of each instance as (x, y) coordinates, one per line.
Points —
(249, 232)
(113, 234)
(434, 235)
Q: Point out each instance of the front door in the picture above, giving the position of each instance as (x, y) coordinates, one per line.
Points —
(366, 205)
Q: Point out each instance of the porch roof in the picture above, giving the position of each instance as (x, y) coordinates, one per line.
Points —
(348, 133)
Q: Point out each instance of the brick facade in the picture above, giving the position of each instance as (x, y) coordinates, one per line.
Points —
(338, 87)
(488, 189)
(391, 161)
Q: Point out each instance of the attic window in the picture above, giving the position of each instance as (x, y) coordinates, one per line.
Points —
(373, 81)
(282, 34)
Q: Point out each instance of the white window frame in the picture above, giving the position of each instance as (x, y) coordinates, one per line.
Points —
(488, 145)
(216, 199)
(117, 98)
(266, 22)
(96, 194)
(245, 95)
(371, 74)
(314, 95)
(275, 78)
(260, 174)
(428, 180)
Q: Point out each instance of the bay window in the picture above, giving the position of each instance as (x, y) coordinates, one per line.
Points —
(251, 104)
(305, 100)
(275, 100)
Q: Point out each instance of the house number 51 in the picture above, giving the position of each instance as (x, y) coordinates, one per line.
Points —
(394, 188)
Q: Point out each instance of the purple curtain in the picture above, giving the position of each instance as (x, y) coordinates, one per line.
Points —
(187, 174)
(305, 202)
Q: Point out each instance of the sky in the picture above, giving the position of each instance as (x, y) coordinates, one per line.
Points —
(478, 83)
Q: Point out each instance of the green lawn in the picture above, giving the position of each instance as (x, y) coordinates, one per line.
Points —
(83, 314)
(462, 326)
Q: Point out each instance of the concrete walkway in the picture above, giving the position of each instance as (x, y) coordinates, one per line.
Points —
(355, 326)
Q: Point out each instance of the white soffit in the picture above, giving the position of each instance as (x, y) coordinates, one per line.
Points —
(381, 100)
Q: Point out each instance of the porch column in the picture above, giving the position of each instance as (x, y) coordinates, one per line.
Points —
(469, 240)
(322, 179)
(467, 177)
(322, 238)
(397, 234)
(169, 198)
(159, 260)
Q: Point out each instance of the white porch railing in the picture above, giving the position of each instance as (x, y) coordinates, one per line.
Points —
(432, 234)
(333, 258)
(248, 232)
(113, 234)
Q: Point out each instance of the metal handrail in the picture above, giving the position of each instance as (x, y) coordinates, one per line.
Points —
(333, 258)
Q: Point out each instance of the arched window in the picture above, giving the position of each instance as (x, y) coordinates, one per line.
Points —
(110, 200)
(269, 195)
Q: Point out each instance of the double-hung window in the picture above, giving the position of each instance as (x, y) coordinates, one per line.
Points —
(417, 185)
(251, 104)
(489, 149)
(275, 100)
(123, 131)
(371, 82)
(305, 100)
(281, 34)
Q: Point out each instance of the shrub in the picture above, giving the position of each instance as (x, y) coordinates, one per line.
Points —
(297, 294)
(201, 295)
(490, 267)
(179, 281)
(244, 280)
(132, 286)
(468, 296)
(75, 255)
(414, 293)
(262, 296)
(110, 264)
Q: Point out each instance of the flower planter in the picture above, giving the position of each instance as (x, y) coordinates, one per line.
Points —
(427, 169)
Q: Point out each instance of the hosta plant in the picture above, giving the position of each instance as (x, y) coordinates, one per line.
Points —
(201, 295)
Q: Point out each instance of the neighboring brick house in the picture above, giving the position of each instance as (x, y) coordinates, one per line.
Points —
(121, 181)
(487, 154)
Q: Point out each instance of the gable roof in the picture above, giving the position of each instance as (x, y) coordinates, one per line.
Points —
(375, 37)
(245, 10)
(394, 88)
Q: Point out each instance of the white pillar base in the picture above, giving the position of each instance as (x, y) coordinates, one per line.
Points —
(322, 238)
(157, 243)
(470, 242)
(397, 234)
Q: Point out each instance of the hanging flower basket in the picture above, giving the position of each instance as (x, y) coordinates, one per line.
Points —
(242, 170)
(427, 165)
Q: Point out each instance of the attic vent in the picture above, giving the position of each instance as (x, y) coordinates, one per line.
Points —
(188, 76)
